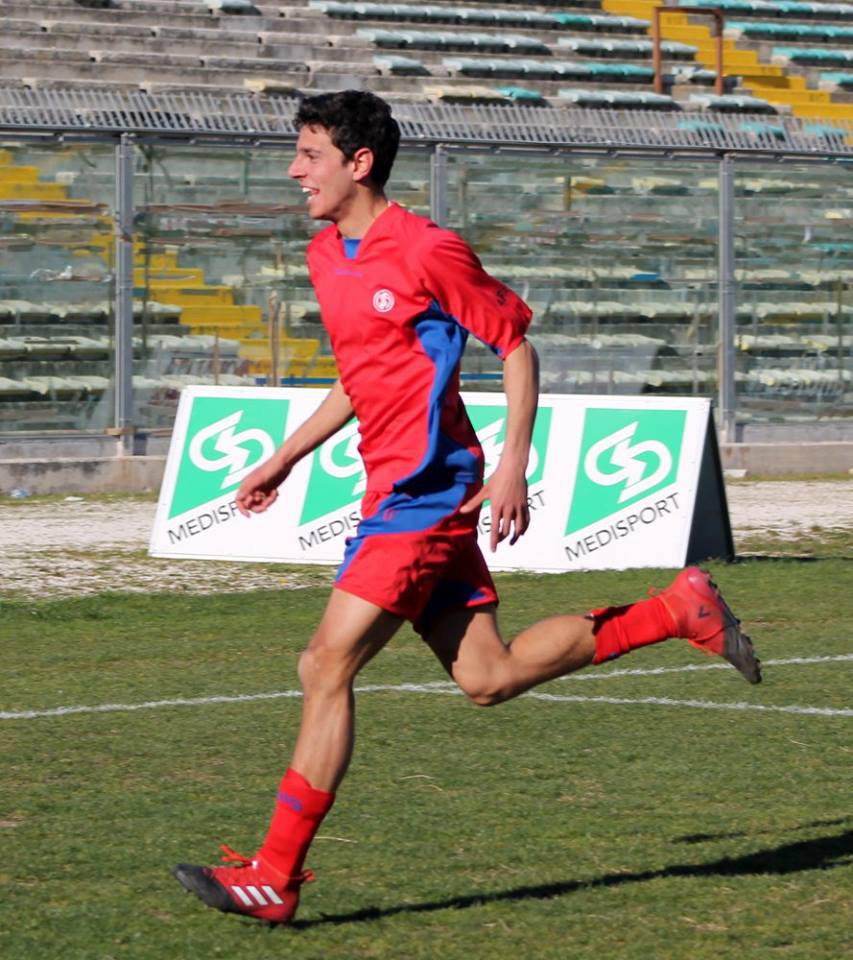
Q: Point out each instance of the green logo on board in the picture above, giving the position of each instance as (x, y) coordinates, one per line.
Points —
(226, 438)
(337, 475)
(624, 455)
(489, 422)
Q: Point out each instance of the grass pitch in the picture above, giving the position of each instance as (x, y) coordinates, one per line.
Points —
(573, 827)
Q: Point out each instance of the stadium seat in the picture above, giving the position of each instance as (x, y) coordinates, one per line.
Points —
(620, 99)
(605, 24)
(790, 31)
(761, 129)
(231, 6)
(813, 55)
(434, 40)
(840, 11)
(522, 95)
(728, 103)
(630, 48)
(838, 79)
(396, 65)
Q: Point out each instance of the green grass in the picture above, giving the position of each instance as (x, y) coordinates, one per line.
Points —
(536, 830)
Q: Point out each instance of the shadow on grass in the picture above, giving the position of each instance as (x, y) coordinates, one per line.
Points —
(820, 854)
(735, 835)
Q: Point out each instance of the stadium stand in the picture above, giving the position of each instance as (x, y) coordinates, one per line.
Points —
(617, 257)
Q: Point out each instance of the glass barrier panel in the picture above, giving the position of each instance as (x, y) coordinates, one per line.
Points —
(617, 257)
(56, 287)
(221, 283)
(794, 257)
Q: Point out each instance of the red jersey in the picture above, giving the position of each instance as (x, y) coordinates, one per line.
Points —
(398, 316)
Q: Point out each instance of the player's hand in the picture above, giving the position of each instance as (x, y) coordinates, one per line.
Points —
(507, 492)
(259, 489)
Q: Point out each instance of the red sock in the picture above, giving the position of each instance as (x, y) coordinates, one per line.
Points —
(621, 629)
(299, 811)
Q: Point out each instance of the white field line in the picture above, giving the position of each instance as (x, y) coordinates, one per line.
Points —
(448, 687)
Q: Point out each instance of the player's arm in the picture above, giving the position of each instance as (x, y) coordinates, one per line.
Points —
(499, 318)
(259, 490)
(506, 489)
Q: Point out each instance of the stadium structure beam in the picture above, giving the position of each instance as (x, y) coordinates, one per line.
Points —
(438, 185)
(719, 25)
(726, 301)
(123, 230)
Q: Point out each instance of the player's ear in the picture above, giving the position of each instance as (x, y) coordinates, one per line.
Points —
(362, 163)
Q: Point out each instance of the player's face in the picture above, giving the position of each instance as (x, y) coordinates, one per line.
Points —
(327, 178)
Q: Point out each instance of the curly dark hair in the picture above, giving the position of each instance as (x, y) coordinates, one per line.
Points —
(355, 119)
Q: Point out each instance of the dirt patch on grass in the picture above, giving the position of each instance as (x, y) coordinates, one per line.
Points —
(73, 547)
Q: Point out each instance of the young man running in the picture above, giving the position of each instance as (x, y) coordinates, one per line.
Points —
(399, 296)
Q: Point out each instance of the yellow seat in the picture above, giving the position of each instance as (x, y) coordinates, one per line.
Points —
(325, 367)
(224, 314)
(11, 190)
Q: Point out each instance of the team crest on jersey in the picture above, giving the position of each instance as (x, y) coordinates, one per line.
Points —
(383, 301)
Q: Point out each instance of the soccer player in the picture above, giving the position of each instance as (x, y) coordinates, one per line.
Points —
(399, 296)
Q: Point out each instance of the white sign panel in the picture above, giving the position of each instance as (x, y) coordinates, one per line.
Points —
(612, 481)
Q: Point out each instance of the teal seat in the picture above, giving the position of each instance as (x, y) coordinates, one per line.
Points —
(490, 67)
(231, 6)
(838, 78)
(762, 129)
(700, 127)
(626, 24)
(824, 130)
(343, 10)
(400, 66)
(584, 98)
(382, 38)
(588, 47)
(574, 20)
(522, 95)
(814, 55)
(793, 31)
(729, 103)
(514, 41)
(582, 71)
(626, 71)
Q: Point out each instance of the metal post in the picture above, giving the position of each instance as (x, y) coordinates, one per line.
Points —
(123, 229)
(438, 185)
(719, 29)
(657, 60)
(726, 299)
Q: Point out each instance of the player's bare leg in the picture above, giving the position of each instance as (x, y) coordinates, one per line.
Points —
(266, 887)
(470, 647)
(351, 632)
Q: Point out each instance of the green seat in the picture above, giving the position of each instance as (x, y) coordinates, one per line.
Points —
(583, 98)
(838, 78)
(760, 129)
(813, 55)
(728, 103)
(231, 6)
(522, 95)
(400, 66)
(382, 38)
(700, 127)
(825, 130)
(341, 10)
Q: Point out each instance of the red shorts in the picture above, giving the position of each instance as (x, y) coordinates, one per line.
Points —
(417, 556)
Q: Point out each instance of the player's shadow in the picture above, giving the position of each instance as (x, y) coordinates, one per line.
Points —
(821, 854)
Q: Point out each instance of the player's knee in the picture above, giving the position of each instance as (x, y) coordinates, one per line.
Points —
(482, 689)
(320, 668)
